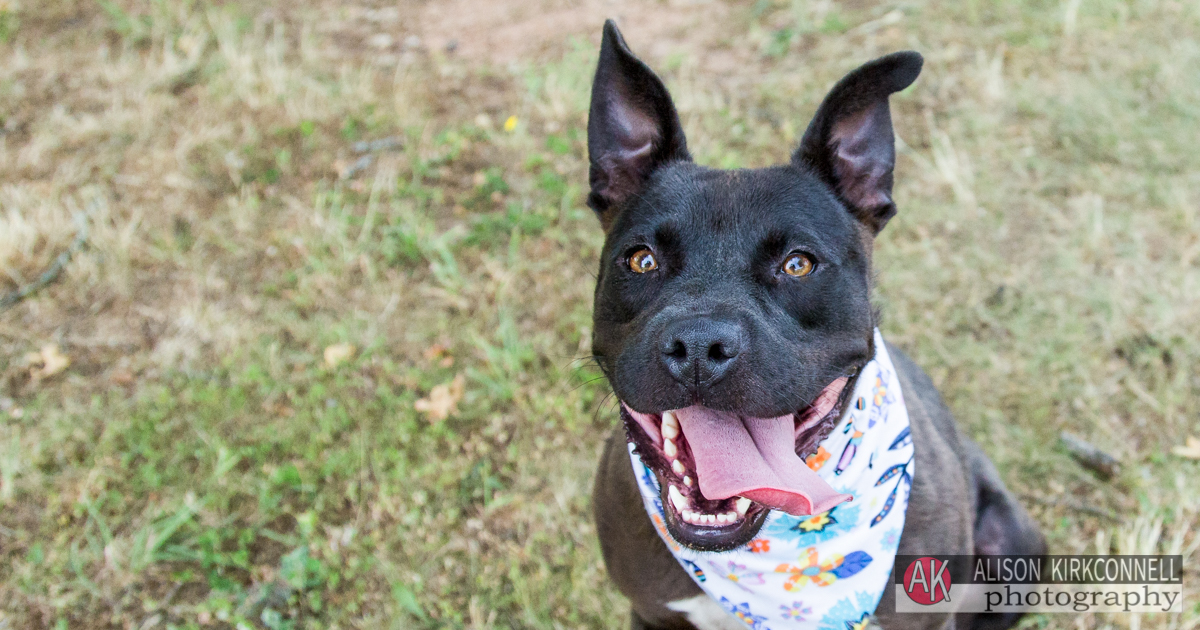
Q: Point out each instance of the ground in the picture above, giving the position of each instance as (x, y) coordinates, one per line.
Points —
(296, 382)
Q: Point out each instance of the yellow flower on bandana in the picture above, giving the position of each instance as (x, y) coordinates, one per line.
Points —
(810, 570)
(880, 391)
(816, 522)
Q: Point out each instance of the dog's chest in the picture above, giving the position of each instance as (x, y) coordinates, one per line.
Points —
(826, 570)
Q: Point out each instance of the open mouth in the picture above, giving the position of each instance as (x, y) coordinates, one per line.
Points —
(720, 473)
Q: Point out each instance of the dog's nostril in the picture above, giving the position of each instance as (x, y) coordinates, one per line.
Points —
(678, 350)
(718, 352)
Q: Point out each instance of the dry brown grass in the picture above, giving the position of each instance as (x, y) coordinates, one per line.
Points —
(198, 452)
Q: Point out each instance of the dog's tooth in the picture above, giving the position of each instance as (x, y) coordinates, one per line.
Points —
(743, 504)
(730, 517)
(670, 425)
(677, 498)
(710, 519)
(678, 466)
(669, 448)
(687, 481)
(722, 519)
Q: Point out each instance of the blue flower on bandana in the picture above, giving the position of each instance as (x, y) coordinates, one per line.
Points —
(891, 539)
(850, 614)
(742, 611)
(810, 530)
(796, 612)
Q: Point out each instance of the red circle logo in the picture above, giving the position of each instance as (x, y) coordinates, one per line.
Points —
(927, 581)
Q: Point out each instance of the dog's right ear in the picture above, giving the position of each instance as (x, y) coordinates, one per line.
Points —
(632, 127)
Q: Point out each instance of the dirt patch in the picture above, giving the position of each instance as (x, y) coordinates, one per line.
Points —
(502, 33)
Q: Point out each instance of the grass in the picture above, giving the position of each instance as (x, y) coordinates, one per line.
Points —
(201, 464)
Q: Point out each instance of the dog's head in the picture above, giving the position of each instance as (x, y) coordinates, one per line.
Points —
(732, 308)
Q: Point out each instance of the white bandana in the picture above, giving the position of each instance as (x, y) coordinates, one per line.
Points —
(826, 571)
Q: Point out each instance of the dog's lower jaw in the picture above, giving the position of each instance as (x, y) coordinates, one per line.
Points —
(714, 537)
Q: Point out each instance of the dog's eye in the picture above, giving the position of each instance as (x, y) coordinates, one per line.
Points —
(798, 265)
(642, 261)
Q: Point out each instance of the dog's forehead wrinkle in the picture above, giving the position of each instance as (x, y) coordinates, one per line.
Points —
(730, 214)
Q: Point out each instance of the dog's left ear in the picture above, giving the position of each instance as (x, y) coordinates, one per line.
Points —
(849, 143)
(632, 127)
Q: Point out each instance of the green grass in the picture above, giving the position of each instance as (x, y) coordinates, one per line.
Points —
(200, 464)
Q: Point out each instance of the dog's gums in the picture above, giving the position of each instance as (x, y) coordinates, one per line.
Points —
(718, 522)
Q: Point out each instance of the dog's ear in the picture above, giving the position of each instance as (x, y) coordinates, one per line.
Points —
(632, 127)
(849, 143)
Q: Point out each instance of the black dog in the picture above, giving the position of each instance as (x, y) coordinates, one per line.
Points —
(745, 294)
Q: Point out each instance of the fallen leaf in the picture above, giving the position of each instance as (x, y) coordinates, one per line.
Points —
(440, 354)
(48, 362)
(121, 377)
(1190, 449)
(442, 400)
(338, 353)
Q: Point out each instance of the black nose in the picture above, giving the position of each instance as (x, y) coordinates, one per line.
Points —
(699, 351)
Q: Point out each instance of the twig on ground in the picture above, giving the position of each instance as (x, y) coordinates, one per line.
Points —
(51, 274)
(1073, 505)
(1090, 456)
(365, 149)
(390, 143)
(360, 165)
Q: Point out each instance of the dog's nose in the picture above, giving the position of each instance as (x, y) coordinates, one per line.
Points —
(700, 351)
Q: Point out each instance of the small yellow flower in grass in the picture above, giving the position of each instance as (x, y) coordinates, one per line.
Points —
(510, 124)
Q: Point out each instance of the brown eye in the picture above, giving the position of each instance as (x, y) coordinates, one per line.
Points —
(643, 261)
(798, 265)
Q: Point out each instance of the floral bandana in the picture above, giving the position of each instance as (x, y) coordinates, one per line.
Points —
(825, 571)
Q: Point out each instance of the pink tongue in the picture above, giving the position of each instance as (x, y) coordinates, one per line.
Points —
(754, 458)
